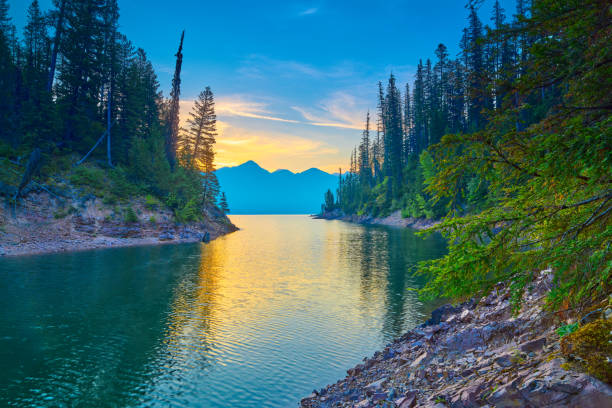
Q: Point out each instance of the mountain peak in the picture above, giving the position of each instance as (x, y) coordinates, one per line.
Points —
(250, 163)
(283, 171)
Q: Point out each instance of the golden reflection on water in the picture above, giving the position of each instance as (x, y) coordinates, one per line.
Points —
(288, 292)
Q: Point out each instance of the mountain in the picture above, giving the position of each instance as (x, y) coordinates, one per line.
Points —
(251, 189)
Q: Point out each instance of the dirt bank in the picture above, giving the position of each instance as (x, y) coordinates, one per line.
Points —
(43, 224)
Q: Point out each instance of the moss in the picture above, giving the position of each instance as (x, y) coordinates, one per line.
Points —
(591, 346)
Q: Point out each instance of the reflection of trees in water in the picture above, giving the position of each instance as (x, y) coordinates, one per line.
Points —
(193, 324)
(385, 259)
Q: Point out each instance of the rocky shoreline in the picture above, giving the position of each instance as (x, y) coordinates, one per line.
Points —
(477, 354)
(39, 227)
(395, 219)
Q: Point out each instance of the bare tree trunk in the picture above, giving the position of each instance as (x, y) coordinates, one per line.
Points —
(56, 44)
(108, 129)
(31, 169)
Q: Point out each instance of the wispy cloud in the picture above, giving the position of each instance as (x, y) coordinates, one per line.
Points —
(309, 11)
(341, 110)
(236, 106)
(260, 66)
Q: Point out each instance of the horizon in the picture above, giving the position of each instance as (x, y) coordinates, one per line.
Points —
(275, 170)
(292, 81)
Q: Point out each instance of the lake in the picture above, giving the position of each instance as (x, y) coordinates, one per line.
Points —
(258, 318)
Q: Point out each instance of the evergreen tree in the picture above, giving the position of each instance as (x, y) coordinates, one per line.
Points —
(201, 131)
(223, 204)
(393, 132)
(8, 78)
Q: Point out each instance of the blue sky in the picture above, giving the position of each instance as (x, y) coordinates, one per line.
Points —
(292, 79)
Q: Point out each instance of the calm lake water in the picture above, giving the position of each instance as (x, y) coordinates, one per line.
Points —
(258, 318)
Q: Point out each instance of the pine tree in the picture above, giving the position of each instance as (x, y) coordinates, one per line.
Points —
(37, 120)
(409, 145)
(223, 204)
(201, 130)
(393, 132)
(8, 78)
(365, 168)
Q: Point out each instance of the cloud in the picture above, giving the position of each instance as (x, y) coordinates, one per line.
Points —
(308, 12)
(260, 67)
(273, 150)
(341, 110)
(238, 105)
(235, 106)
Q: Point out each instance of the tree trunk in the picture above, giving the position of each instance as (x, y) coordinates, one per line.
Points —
(56, 43)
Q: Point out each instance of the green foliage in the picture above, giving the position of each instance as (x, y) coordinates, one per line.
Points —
(548, 178)
(191, 211)
(130, 216)
(567, 329)
(64, 212)
(329, 202)
(88, 176)
(151, 202)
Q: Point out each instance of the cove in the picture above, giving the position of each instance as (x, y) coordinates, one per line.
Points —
(257, 318)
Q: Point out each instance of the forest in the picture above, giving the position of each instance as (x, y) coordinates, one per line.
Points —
(508, 144)
(80, 101)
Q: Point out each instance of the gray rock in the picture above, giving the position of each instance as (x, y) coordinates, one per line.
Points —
(165, 236)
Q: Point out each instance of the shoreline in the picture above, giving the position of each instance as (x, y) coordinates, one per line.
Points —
(476, 354)
(394, 219)
(42, 226)
(104, 242)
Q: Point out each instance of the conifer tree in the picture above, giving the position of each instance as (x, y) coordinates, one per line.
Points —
(223, 204)
(201, 131)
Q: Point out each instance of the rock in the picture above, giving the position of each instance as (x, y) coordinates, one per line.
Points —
(375, 386)
(506, 397)
(363, 404)
(409, 400)
(355, 370)
(165, 236)
(533, 345)
(466, 316)
(379, 396)
(440, 314)
(503, 361)
(420, 359)
(85, 228)
(594, 394)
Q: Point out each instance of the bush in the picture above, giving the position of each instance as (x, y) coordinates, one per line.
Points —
(130, 216)
(90, 177)
(190, 212)
(151, 202)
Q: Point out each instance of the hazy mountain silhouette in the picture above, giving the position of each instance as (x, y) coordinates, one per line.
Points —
(251, 189)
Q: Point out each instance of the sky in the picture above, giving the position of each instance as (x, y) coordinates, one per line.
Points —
(292, 80)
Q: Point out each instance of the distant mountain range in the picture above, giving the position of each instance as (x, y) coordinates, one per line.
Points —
(250, 189)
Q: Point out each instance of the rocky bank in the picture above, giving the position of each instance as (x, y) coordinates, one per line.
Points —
(395, 219)
(477, 354)
(43, 223)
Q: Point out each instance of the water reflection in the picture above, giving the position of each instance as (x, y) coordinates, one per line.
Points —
(255, 319)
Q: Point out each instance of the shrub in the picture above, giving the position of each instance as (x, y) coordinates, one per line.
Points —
(130, 216)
